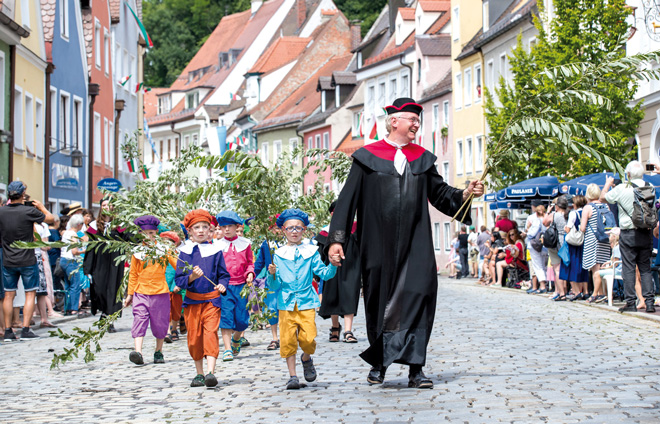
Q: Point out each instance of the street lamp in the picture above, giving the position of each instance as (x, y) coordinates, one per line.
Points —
(75, 155)
(5, 136)
(76, 159)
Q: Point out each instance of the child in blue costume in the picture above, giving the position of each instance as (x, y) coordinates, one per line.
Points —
(264, 258)
(290, 276)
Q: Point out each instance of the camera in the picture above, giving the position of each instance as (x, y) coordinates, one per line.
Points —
(650, 167)
(29, 203)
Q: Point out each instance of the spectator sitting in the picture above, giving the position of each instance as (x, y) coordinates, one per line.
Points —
(504, 224)
(514, 255)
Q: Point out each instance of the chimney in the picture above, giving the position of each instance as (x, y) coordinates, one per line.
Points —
(393, 8)
(302, 12)
(356, 34)
(256, 4)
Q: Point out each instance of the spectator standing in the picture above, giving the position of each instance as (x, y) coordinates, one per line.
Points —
(635, 243)
(558, 214)
(574, 272)
(533, 228)
(484, 250)
(473, 252)
(463, 245)
(17, 224)
(595, 253)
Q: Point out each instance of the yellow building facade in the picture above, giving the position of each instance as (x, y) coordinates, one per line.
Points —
(29, 101)
(468, 119)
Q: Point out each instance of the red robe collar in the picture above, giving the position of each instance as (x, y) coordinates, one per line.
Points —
(384, 151)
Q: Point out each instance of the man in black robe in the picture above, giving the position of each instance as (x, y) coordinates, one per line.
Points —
(390, 185)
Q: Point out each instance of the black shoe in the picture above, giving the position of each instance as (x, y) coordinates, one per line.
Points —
(10, 336)
(650, 308)
(198, 381)
(112, 329)
(418, 380)
(158, 357)
(308, 369)
(27, 333)
(376, 375)
(136, 358)
(628, 308)
(210, 380)
(293, 383)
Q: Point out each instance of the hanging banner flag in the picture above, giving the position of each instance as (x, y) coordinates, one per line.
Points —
(147, 134)
(124, 80)
(374, 132)
(145, 172)
(434, 138)
(139, 86)
(130, 164)
(234, 96)
(141, 26)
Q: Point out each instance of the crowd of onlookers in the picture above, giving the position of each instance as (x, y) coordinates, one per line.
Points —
(569, 245)
(49, 278)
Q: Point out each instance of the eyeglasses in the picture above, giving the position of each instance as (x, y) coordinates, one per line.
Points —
(412, 120)
(296, 229)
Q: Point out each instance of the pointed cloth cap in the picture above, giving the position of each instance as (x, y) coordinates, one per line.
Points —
(404, 104)
(292, 214)
(198, 215)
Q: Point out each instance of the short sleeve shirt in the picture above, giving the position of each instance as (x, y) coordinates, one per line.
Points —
(623, 195)
(17, 224)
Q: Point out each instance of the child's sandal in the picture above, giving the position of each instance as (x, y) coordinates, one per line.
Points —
(235, 347)
(227, 356)
(349, 337)
(274, 345)
(175, 336)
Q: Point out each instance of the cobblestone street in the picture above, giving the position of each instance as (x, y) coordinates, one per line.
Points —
(496, 356)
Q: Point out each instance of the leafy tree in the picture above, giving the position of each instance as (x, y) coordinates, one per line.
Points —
(364, 11)
(178, 28)
(582, 32)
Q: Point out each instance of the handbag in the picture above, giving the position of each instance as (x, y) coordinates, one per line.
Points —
(564, 254)
(59, 271)
(575, 237)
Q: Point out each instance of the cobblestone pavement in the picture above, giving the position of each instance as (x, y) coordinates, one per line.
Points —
(495, 356)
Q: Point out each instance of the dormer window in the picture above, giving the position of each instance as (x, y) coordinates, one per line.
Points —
(164, 104)
(192, 100)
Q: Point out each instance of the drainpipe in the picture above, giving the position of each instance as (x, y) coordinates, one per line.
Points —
(93, 90)
(49, 132)
(12, 84)
(411, 74)
(119, 107)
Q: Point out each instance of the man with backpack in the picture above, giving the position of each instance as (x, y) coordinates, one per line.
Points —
(637, 219)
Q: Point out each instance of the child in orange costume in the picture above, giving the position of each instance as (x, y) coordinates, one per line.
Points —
(204, 285)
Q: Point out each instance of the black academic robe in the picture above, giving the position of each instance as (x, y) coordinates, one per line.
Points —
(341, 293)
(396, 248)
(106, 276)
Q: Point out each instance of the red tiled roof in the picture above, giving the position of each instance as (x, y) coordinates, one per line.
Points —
(281, 52)
(48, 18)
(407, 13)
(439, 24)
(151, 101)
(328, 12)
(304, 100)
(435, 5)
(391, 51)
(349, 144)
(88, 35)
(177, 113)
(114, 10)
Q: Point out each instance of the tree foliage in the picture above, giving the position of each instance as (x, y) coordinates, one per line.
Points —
(559, 85)
(178, 28)
(364, 11)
